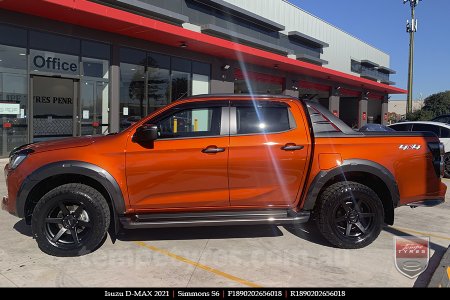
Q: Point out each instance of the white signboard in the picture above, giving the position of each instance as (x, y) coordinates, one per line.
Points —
(125, 111)
(85, 114)
(9, 108)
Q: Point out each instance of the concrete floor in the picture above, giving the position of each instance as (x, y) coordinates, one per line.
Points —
(266, 256)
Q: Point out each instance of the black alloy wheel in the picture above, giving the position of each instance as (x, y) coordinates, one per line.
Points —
(349, 215)
(70, 220)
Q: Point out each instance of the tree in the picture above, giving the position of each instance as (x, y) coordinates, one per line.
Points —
(434, 105)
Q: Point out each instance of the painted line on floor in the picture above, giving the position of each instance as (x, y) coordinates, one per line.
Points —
(422, 233)
(198, 265)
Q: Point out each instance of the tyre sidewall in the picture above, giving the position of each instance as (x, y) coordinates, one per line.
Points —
(97, 216)
(330, 205)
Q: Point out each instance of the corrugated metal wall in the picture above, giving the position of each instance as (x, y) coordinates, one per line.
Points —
(343, 47)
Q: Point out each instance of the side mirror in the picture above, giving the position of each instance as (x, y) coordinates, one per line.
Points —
(146, 134)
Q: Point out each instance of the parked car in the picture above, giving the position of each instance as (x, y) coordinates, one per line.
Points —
(440, 129)
(375, 127)
(234, 160)
(442, 119)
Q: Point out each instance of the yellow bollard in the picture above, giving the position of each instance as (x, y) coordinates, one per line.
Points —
(195, 125)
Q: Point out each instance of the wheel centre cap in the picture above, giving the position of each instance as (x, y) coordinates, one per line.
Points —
(69, 221)
(353, 216)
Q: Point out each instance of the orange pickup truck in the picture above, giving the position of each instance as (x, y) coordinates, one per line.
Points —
(223, 160)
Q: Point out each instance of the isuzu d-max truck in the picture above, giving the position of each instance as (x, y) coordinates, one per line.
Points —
(223, 160)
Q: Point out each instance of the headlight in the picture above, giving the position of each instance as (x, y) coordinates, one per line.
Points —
(15, 160)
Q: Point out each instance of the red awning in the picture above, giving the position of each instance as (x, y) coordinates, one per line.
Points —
(93, 15)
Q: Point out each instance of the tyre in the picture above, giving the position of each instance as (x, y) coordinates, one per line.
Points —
(447, 165)
(349, 215)
(70, 220)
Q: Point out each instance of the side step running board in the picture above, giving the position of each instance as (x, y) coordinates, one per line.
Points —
(218, 218)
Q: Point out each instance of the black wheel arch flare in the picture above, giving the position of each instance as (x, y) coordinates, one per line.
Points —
(355, 165)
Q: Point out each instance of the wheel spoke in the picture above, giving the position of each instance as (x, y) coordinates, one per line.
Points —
(346, 207)
(63, 209)
(339, 219)
(53, 220)
(58, 235)
(84, 224)
(366, 215)
(357, 205)
(78, 211)
(360, 226)
(75, 235)
(348, 229)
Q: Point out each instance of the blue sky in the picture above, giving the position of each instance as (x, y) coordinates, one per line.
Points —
(382, 24)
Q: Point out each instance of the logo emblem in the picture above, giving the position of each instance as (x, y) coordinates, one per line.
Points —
(409, 147)
(411, 255)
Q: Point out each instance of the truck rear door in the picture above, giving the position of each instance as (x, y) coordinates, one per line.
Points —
(268, 153)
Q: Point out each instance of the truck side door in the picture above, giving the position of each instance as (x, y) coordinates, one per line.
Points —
(268, 154)
(187, 166)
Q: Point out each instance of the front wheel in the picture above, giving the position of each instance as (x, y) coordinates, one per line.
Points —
(349, 215)
(70, 220)
(447, 165)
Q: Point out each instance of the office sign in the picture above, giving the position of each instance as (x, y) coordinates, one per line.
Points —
(51, 62)
(9, 108)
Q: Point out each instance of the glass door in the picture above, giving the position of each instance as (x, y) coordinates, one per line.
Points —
(93, 114)
(53, 107)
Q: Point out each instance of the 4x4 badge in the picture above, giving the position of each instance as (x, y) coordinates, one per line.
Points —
(410, 147)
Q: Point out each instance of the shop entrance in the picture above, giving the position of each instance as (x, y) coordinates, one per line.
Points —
(54, 107)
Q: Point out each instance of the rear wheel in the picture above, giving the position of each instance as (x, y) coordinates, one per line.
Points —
(349, 215)
(447, 165)
(70, 220)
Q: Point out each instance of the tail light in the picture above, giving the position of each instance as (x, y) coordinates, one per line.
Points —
(438, 151)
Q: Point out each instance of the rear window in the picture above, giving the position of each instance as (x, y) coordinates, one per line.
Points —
(265, 119)
(426, 127)
(401, 127)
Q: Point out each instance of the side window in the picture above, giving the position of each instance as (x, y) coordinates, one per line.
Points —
(426, 127)
(263, 119)
(401, 127)
(194, 122)
(445, 133)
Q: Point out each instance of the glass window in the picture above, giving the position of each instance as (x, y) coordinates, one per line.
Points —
(53, 63)
(180, 85)
(250, 86)
(426, 127)
(401, 127)
(356, 66)
(158, 81)
(445, 133)
(201, 73)
(191, 123)
(132, 94)
(251, 119)
(13, 98)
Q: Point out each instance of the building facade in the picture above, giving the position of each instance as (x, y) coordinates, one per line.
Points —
(80, 67)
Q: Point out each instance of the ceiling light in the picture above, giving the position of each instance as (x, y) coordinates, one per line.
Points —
(22, 54)
(183, 45)
(225, 67)
(276, 66)
(35, 70)
(133, 69)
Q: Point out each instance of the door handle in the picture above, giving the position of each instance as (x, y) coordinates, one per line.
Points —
(213, 149)
(292, 147)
